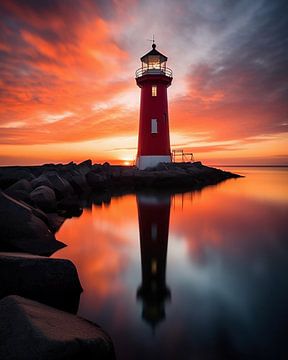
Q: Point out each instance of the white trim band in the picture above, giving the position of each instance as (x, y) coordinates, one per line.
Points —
(143, 162)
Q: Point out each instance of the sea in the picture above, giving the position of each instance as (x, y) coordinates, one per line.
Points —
(194, 275)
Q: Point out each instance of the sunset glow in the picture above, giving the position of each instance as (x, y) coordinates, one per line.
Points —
(68, 90)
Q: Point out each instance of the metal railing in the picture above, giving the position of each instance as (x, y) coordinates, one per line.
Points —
(162, 71)
(184, 156)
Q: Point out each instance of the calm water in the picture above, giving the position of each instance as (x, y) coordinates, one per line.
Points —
(200, 275)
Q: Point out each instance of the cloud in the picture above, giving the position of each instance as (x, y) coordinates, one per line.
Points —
(73, 67)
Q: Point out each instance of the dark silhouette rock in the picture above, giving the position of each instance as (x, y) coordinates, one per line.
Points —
(76, 179)
(21, 195)
(44, 197)
(22, 230)
(54, 282)
(22, 184)
(54, 221)
(20, 190)
(41, 180)
(84, 167)
(106, 167)
(123, 177)
(97, 168)
(9, 176)
(60, 185)
(33, 331)
(96, 181)
(86, 163)
(70, 206)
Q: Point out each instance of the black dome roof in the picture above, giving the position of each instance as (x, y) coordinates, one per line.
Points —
(154, 52)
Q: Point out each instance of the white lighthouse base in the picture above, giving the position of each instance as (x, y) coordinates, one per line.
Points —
(144, 162)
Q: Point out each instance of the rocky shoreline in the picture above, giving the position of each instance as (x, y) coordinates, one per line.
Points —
(34, 203)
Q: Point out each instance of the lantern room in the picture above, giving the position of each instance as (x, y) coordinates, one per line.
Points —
(153, 63)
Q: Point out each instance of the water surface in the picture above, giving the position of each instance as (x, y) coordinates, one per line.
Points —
(200, 275)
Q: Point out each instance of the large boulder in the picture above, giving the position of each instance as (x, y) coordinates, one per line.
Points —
(22, 230)
(97, 168)
(76, 179)
(9, 176)
(84, 167)
(30, 330)
(123, 177)
(21, 195)
(60, 185)
(54, 221)
(22, 184)
(70, 206)
(44, 197)
(54, 282)
(39, 181)
(20, 190)
(96, 181)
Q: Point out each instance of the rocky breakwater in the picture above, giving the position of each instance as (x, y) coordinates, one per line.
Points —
(59, 189)
(30, 330)
(34, 202)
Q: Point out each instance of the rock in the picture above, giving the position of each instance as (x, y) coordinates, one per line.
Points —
(106, 167)
(54, 282)
(20, 190)
(197, 164)
(161, 166)
(41, 180)
(125, 178)
(38, 213)
(70, 206)
(54, 221)
(96, 181)
(77, 180)
(84, 167)
(9, 176)
(22, 184)
(44, 197)
(79, 183)
(86, 163)
(22, 230)
(97, 168)
(21, 195)
(30, 330)
(60, 185)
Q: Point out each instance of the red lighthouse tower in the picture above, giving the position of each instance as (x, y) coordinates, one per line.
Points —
(153, 78)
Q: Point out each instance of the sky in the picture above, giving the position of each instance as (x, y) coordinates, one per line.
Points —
(67, 78)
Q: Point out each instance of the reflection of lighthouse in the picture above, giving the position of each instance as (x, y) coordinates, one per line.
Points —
(153, 214)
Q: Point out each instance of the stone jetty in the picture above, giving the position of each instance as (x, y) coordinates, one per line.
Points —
(34, 203)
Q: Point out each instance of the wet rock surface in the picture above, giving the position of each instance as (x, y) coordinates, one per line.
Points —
(30, 330)
(23, 230)
(44, 197)
(53, 282)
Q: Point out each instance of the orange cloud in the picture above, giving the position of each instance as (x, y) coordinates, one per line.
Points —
(67, 77)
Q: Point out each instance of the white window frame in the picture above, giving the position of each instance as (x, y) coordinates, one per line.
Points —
(154, 90)
(154, 126)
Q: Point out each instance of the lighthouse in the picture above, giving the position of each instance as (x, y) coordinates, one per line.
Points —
(153, 141)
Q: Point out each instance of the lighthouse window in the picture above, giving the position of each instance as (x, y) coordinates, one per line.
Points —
(154, 90)
(154, 266)
(154, 129)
